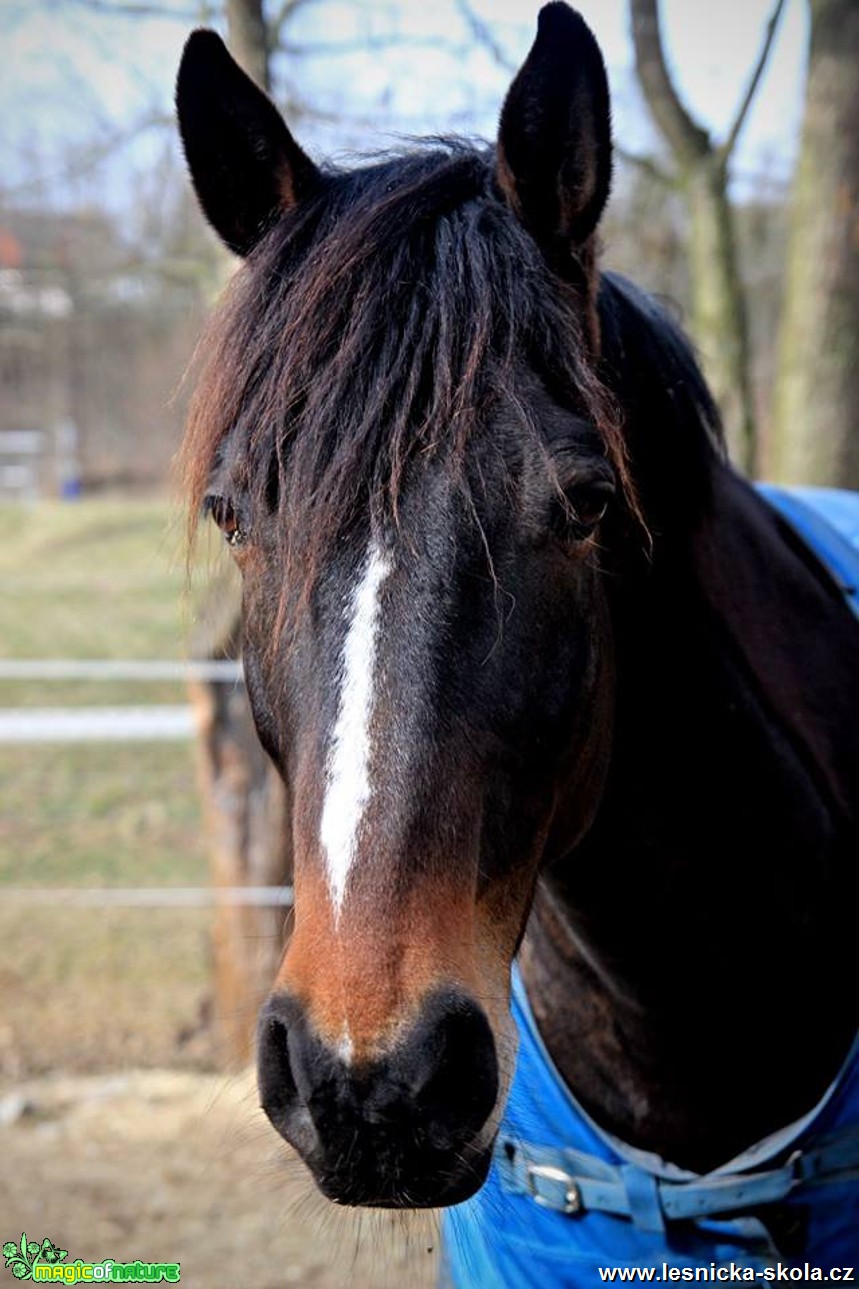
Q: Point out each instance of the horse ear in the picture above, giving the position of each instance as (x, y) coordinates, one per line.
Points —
(554, 142)
(246, 166)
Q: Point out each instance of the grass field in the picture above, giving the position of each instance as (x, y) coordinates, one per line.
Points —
(96, 989)
(91, 579)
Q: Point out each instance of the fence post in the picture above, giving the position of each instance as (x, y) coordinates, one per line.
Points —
(247, 823)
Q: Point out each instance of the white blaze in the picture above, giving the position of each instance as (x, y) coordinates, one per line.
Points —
(347, 788)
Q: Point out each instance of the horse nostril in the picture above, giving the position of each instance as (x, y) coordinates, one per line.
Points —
(453, 1069)
(277, 1086)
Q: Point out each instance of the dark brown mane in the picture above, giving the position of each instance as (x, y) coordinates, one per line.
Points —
(372, 329)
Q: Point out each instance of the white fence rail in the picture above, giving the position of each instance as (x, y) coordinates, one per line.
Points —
(145, 897)
(116, 669)
(126, 724)
(152, 723)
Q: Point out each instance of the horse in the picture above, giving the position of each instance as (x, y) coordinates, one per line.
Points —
(546, 679)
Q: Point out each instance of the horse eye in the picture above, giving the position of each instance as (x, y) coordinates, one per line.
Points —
(582, 508)
(224, 514)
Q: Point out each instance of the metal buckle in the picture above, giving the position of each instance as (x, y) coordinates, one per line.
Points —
(551, 1173)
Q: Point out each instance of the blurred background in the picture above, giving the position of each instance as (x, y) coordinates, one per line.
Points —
(139, 823)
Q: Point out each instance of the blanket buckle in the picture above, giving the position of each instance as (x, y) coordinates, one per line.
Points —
(571, 1200)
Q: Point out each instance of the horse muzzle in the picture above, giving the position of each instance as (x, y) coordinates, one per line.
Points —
(405, 1129)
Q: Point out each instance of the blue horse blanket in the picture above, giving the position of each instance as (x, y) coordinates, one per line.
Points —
(568, 1206)
(506, 1238)
(827, 519)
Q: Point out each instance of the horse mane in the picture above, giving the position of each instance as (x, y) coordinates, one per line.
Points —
(672, 427)
(373, 326)
(369, 331)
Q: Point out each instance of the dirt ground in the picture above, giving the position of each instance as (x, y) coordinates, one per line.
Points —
(119, 1137)
(180, 1166)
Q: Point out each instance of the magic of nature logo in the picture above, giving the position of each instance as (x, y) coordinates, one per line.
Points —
(29, 1260)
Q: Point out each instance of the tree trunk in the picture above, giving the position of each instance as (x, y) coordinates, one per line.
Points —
(719, 316)
(247, 820)
(816, 400)
(248, 39)
(245, 802)
(719, 322)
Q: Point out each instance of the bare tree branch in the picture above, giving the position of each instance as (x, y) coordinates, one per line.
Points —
(91, 157)
(483, 35)
(688, 140)
(138, 9)
(391, 40)
(728, 146)
(278, 20)
(649, 165)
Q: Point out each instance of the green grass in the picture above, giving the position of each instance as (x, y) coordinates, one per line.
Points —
(92, 579)
(94, 988)
(100, 814)
(95, 579)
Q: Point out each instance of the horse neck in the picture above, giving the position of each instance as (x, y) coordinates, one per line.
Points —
(709, 905)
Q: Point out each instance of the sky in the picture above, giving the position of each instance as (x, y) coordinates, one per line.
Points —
(75, 73)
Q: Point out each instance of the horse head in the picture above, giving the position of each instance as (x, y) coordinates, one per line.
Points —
(400, 431)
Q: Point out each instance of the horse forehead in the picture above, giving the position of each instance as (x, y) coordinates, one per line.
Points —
(397, 621)
(444, 560)
(388, 607)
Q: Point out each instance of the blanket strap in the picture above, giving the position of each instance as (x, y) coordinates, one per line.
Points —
(573, 1183)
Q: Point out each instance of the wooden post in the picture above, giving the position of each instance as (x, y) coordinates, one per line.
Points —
(247, 823)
